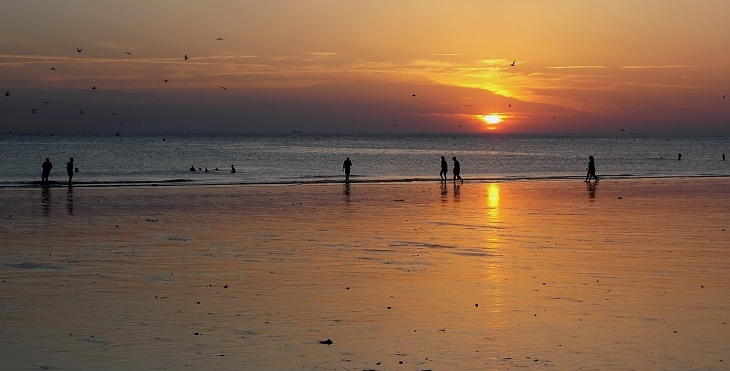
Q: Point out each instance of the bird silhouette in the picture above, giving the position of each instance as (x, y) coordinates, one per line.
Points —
(224, 88)
(114, 114)
(7, 93)
(186, 57)
(53, 68)
(622, 129)
(165, 81)
(413, 95)
(393, 124)
(467, 105)
(553, 117)
(459, 125)
(45, 102)
(93, 87)
(510, 105)
(220, 39)
(513, 63)
(34, 111)
(82, 111)
(128, 53)
(78, 50)
(117, 133)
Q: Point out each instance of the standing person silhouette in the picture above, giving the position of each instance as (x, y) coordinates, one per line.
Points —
(346, 168)
(457, 170)
(233, 170)
(679, 157)
(70, 169)
(444, 169)
(723, 157)
(591, 170)
(47, 166)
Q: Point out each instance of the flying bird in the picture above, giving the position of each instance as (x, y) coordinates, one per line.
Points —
(34, 111)
(82, 111)
(53, 68)
(7, 93)
(45, 102)
(186, 57)
(78, 50)
(93, 87)
(114, 114)
(220, 39)
(513, 63)
(553, 117)
(413, 95)
(117, 133)
(224, 88)
(128, 53)
(165, 81)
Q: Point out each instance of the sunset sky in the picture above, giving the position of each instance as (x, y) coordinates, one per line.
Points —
(647, 67)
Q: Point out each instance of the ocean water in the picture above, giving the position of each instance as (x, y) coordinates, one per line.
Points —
(302, 158)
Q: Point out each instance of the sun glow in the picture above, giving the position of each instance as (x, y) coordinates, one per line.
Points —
(492, 119)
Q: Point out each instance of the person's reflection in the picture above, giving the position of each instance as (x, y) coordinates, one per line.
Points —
(591, 191)
(457, 192)
(444, 192)
(46, 200)
(347, 192)
(70, 200)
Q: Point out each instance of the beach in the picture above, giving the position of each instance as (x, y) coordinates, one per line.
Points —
(628, 274)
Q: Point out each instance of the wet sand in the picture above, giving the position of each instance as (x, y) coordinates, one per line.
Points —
(629, 275)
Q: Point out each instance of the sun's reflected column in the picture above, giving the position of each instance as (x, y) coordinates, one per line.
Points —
(492, 213)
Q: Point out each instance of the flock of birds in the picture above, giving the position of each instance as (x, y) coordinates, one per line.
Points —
(81, 111)
(186, 57)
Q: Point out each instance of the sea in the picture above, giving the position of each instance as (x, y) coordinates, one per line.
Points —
(297, 158)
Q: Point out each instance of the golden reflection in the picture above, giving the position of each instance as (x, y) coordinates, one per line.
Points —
(492, 211)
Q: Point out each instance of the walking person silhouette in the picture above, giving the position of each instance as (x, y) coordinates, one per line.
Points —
(47, 166)
(70, 169)
(346, 168)
(457, 170)
(444, 169)
(591, 170)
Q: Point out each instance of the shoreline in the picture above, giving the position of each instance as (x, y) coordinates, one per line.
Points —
(418, 180)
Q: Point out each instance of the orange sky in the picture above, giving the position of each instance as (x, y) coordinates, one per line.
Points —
(652, 67)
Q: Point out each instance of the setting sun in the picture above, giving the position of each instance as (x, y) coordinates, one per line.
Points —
(492, 119)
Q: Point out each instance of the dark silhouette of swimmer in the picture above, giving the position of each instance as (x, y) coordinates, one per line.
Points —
(233, 170)
(47, 166)
(591, 170)
(444, 169)
(70, 169)
(457, 170)
(192, 168)
(346, 168)
(679, 157)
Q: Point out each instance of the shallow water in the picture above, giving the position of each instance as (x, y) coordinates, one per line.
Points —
(287, 159)
(625, 275)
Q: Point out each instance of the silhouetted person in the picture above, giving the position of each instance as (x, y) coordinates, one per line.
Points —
(723, 157)
(457, 169)
(346, 168)
(233, 170)
(47, 166)
(444, 168)
(591, 170)
(679, 157)
(192, 168)
(70, 169)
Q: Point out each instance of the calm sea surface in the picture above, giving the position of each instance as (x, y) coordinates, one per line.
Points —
(300, 158)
